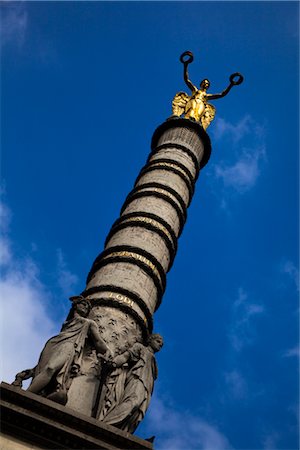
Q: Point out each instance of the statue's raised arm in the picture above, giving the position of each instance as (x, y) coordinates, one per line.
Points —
(195, 106)
(186, 58)
(233, 82)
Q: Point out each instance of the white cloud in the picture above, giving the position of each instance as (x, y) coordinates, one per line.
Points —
(66, 280)
(289, 268)
(243, 174)
(244, 159)
(236, 132)
(25, 321)
(236, 384)
(14, 20)
(5, 247)
(25, 325)
(242, 331)
(181, 430)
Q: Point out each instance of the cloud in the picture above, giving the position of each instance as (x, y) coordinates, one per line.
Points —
(236, 384)
(5, 250)
(66, 280)
(292, 352)
(243, 174)
(236, 132)
(289, 268)
(182, 431)
(5, 216)
(270, 442)
(243, 161)
(14, 21)
(241, 331)
(26, 322)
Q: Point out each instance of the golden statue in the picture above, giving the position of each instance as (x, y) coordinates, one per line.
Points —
(196, 106)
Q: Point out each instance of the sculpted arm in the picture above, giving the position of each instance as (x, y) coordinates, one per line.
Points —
(133, 354)
(222, 94)
(99, 343)
(187, 80)
(186, 58)
(120, 360)
(233, 82)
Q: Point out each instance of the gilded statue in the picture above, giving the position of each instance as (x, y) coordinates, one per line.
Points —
(196, 106)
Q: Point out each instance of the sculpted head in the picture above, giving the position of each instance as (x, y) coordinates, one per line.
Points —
(205, 84)
(156, 342)
(81, 305)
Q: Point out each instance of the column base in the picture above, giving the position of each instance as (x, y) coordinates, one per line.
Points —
(29, 422)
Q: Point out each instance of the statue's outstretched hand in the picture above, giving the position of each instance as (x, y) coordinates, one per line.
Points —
(107, 357)
(121, 360)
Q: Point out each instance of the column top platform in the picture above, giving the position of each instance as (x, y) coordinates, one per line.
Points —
(174, 122)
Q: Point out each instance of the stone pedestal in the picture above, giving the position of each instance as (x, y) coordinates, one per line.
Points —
(30, 422)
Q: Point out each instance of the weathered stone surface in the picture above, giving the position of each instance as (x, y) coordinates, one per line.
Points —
(32, 422)
(144, 238)
(11, 443)
(174, 153)
(128, 411)
(163, 177)
(157, 206)
(62, 357)
(128, 276)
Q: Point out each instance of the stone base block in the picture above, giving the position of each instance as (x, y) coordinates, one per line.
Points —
(29, 421)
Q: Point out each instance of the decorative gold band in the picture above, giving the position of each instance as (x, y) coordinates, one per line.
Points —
(152, 222)
(174, 166)
(136, 257)
(162, 191)
(121, 298)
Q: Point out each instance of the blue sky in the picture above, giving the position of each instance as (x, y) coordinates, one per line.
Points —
(84, 85)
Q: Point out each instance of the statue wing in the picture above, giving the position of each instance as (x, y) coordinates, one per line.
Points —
(179, 102)
(208, 115)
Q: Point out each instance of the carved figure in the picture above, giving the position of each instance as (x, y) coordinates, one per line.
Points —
(196, 106)
(141, 369)
(21, 376)
(61, 357)
(112, 388)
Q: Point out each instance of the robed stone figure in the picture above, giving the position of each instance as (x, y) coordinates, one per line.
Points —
(61, 357)
(138, 366)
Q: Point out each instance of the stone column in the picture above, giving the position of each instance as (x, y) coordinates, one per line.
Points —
(130, 274)
(127, 280)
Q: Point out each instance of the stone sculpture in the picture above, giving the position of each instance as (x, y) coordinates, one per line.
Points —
(133, 382)
(21, 376)
(61, 357)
